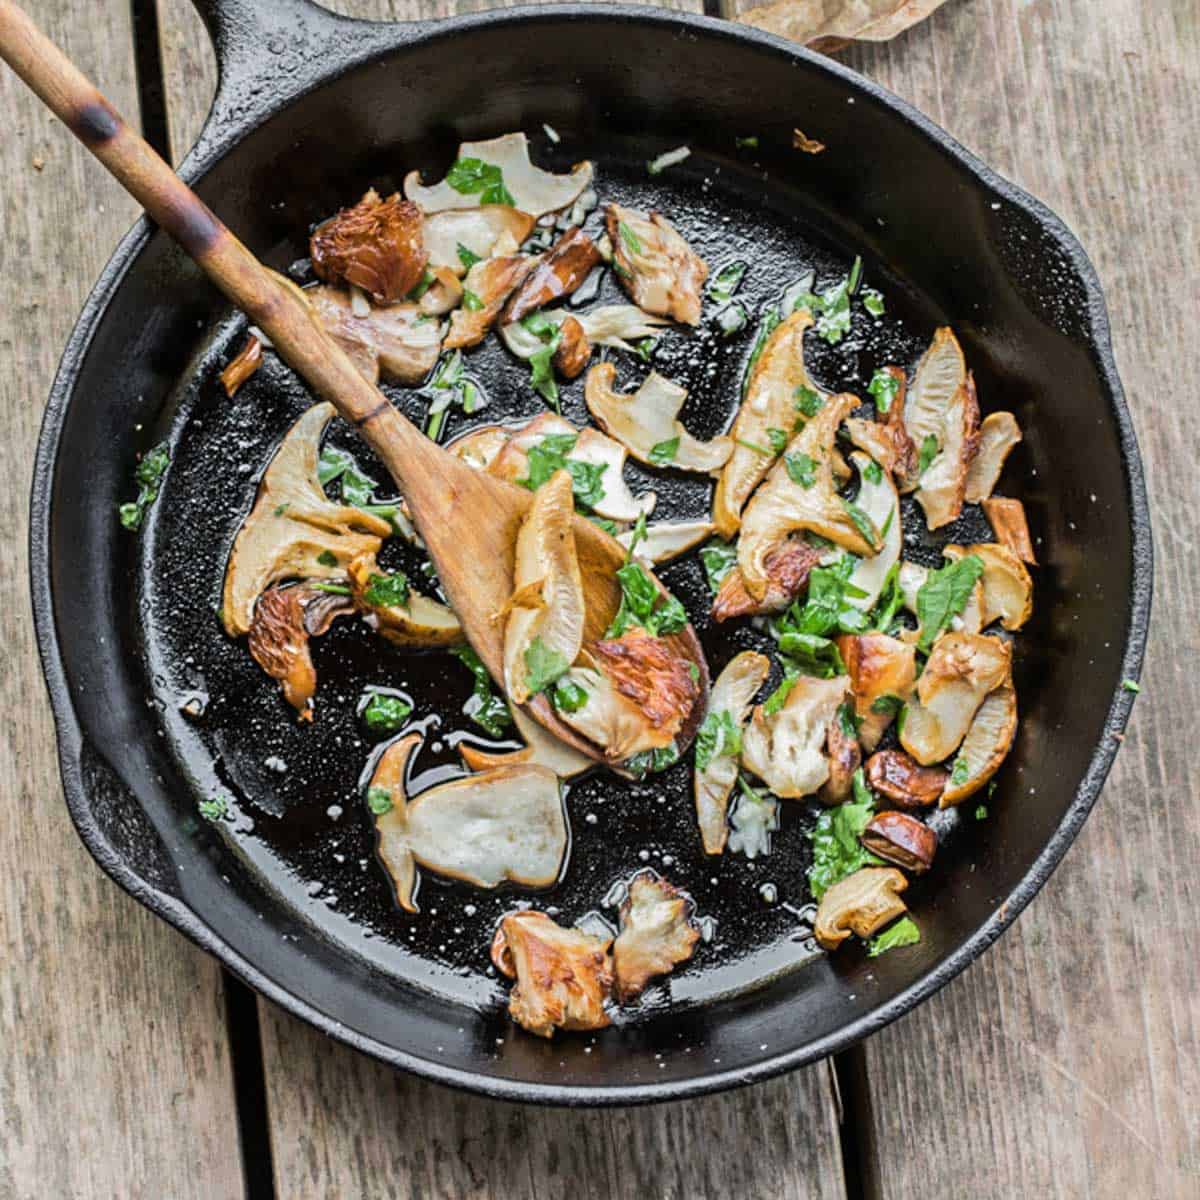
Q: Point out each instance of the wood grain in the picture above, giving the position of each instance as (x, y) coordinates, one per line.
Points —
(114, 1078)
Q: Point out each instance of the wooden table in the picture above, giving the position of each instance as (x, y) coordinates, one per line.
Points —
(1065, 1063)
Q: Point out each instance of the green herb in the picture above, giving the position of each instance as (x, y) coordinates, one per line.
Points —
(872, 301)
(650, 762)
(473, 176)
(862, 522)
(873, 472)
(890, 599)
(719, 736)
(638, 536)
(280, 509)
(467, 257)
(543, 665)
(855, 276)
(807, 401)
(645, 348)
(825, 609)
(929, 449)
(387, 591)
(801, 469)
(334, 465)
(541, 370)
(470, 301)
(778, 439)
(379, 800)
(694, 672)
(960, 773)
(981, 812)
(632, 243)
(216, 809)
(812, 655)
(884, 387)
(642, 604)
(766, 327)
(837, 852)
(887, 705)
(719, 558)
(732, 318)
(1131, 685)
(569, 696)
(663, 453)
(333, 589)
(778, 698)
(903, 933)
(609, 527)
(452, 387)
(427, 280)
(848, 720)
(148, 477)
(327, 558)
(830, 309)
(384, 713)
(746, 143)
(485, 708)
(755, 447)
(887, 524)
(549, 455)
(727, 281)
(944, 595)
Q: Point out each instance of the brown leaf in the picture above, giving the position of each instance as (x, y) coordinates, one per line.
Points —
(832, 23)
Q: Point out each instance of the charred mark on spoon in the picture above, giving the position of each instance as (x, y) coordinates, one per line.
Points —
(96, 123)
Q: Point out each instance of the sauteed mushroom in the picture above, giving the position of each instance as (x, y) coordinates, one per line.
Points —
(659, 270)
(558, 273)
(541, 749)
(998, 434)
(882, 672)
(656, 934)
(401, 614)
(481, 232)
(487, 286)
(902, 840)
(861, 904)
(1007, 519)
(893, 774)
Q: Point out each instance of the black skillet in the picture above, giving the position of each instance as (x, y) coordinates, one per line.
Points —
(311, 109)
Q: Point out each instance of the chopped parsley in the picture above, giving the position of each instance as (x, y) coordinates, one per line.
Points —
(216, 809)
(727, 281)
(543, 665)
(928, 452)
(569, 696)
(778, 439)
(903, 933)
(884, 387)
(550, 455)
(812, 654)
(862, 522)
(473, 176)
(450, 385)
(807, 401)
(872, 301)
(891, 597)
(1131, 685)
(357, 488)
(631, 240)
(488, 710)
(825, 609)
(719, 736)
(467, 256)
(944, 595)
(642, 604)
(801, 469)
(327, 558)
(384, 713)
(387, 591)
(148, 477)
(541, 368)
(470, 301)
(650, 762)
(837, 852)
(981, 812)
(766, 327)
(887, 705)
(663, 453)
(873, 472)
(754, 446)
(719, 558)
(379, 800)
(960, 772)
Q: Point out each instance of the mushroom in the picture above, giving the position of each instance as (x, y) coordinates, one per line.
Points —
(1007, 589)
(878, 499)
(942, 488)
(785, 748)
(1007, 519)
(667, 540)
(882, 672)
(377, 246)
(547, 606)
(574, 350)
(619, 325)
(418, 624)
(487, 285)
(240, 368)
(480, 447)
(787, 568)
(719, 743)
(939, 376)
(769, 402)
(901, 839)
(962, 669)
(397, 341)
(799, 494)
(655, 265)
(559, 273)
(985, 746)
(912, 579)
(861, 904)
(563, 975)
(541, 748)
(481, 231)
(646, 422)
(505, 825)
(444, 293)
(531, 189)
(893, 774)
(845, 757)
(294, 531)
(998, 434)
(656, 934)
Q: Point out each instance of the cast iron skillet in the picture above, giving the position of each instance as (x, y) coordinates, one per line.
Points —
(310, 109)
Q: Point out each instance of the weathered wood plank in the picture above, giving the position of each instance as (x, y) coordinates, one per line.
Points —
(115, 1078)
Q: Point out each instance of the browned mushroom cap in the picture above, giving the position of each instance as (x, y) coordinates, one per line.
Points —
(376, 245)
(574, 350)
(860, 904)
(787, 569)
(942, 489)
(882, 672)
(656, 934)
(648, 672)
(845, 757)
(489, 283)
(655, 265)
(561, 270)
(1007, 519)
(998, 434)
(902, 840)
(893, 774)
(278, 642)
(248, 360)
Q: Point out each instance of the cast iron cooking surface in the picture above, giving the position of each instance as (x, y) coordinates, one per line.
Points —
(297, 815)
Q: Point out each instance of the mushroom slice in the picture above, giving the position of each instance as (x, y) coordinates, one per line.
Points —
(1007, 586)
(985, 747)
(547, 607)
(505, 825)
(559, 272)
(785, 748)
(961, 671)
(799, 494)
(608, 718)
(667, 540)
(877, 497)
(619, 325)
(278, 642)
(240, 368)
(1007, 519)
(883, 672)
(861, 904)
(532, 190)
(443, 294)
(940, 374)
(998, 434)
(647, 671)
(893, 774)
(377, 246)
(655, 265)
(656, 934)
(788, 568)
(480, 231)
(942, 488)
(719, 742)
(912, 578)
(878, 440)
(901, 839)
(397, 340)
(419, 623)
(646, 422)
(563, 975)
(574, 350)
(541, 748)
(845, 757)
(778, 380)
(294, 531)
(481, 447)
(487, 285)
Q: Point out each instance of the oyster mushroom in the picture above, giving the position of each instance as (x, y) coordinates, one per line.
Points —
(1007, 519)
(719, 743)
(242, 366)
(942, 488)
(656, 934)
(777, 381)
(862, 904)
(377, 246)
(563, 975)
(798, 495)
(619, 325)
(787, 568)
(961, 671)
(547, 606)
(998, 434)
(878, 499)
(1007, 589)
(886, 440)
(480, 447)
(893, 774)
(785, 749)
(901, 839)
(939, 376)
(559, 272)
(482, 232)
(541, 748)
(487, 285)
(882, 672)
(646, 422)
(443, 294)
(532, 190)
(985, 746)
(294, 531)
(913, 577)
(505, 825)
(418, 623)
(655, 265)
(667, 540)
(574, 350)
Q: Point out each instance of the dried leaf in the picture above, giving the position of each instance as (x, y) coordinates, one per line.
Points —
(832, 23)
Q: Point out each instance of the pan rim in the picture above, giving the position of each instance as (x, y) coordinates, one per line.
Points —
(213, 145)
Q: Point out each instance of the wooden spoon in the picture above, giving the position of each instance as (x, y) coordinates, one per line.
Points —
(468, 520)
